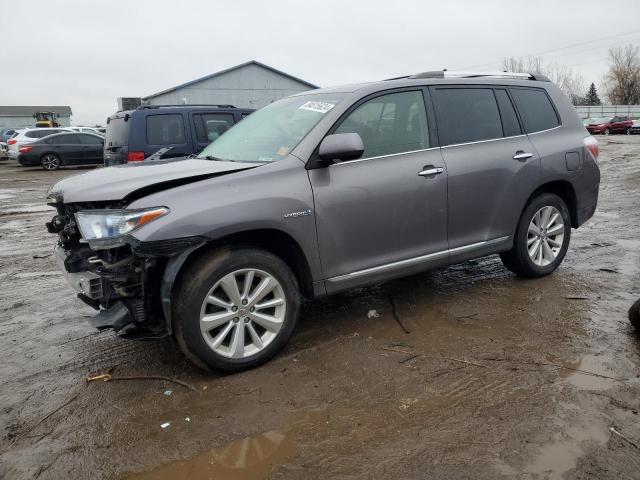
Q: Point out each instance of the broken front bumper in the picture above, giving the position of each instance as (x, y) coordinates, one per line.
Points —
(86, 283)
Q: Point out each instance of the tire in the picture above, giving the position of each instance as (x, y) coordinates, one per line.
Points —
(607, 131)
(210, 277)
(628, 131)
(634, 315)
(544, 260)
(50, 161)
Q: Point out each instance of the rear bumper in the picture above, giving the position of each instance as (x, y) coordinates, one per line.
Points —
(28, 160)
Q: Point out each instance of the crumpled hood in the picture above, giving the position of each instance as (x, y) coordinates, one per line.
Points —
(135, 180)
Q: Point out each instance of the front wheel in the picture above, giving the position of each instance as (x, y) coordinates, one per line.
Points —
(541, 239)
(50, 161)
(234, 309)
(607, 131)
(628, 131)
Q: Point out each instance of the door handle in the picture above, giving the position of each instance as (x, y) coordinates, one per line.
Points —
(430, 170)
(520, 155)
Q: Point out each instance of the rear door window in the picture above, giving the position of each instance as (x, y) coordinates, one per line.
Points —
(209, 126)
(165, 129)
(67, 139)
(535, 108)
(88, 139)
(389, 124)
(466, 115)
(510, 124)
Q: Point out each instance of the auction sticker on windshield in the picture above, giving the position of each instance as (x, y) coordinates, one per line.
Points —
(320, 107)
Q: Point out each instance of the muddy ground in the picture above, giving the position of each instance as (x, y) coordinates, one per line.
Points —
(485, 385)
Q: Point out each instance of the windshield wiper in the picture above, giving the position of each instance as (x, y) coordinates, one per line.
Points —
(211, 157)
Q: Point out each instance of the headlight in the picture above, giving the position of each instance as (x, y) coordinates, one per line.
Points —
(107, 228)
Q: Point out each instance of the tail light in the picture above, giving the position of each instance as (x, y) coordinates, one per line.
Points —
(25, 149)
(592, 146)
(135, 156)
(12, 141)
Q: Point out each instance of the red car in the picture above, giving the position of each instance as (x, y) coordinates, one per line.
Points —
(608, 125)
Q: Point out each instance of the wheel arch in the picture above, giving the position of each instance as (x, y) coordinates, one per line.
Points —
(274, 241)
(564, 189)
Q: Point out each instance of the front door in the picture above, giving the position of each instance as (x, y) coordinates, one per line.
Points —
(385, 213)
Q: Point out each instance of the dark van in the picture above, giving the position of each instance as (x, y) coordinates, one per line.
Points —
(134, 135)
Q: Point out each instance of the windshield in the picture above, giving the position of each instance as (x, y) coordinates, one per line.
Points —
(601, 120)
(271, 133)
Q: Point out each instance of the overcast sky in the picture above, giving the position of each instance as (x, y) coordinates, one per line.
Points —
(87, 53)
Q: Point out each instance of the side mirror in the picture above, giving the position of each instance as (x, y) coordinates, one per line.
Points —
(340, 147)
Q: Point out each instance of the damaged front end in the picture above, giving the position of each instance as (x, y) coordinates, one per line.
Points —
(113, 272)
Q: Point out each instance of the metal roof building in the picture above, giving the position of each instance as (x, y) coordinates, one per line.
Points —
(248, 85)
(22, 116)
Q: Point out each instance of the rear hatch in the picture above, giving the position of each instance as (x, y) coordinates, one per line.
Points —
(116, 142)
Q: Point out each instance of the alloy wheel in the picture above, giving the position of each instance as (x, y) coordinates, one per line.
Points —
(243, 313)
(50, 162)
(545, 236)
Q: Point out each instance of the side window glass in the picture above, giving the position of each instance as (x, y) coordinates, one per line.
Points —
(89, 139)
(535, 109)
(165, 129)
(210, 126)
(466, 115)
(389, 124)
(510, 125)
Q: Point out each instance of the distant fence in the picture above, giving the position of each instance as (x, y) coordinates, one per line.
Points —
(596, 111)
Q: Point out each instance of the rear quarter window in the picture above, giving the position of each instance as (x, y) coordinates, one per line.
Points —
(535, 108)
(165, 129)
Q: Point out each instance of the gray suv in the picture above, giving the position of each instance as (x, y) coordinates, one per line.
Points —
(322, 192)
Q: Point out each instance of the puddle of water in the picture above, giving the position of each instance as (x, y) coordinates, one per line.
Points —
(246, 459)
(559, 457)
(250, 458)
(595, 364)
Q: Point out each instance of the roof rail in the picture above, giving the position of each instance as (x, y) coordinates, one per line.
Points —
(454, 74)
(144, 107)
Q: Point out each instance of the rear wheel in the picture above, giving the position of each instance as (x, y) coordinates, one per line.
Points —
(542, 237)
(50, 161)
(628, 131)
(235, 309)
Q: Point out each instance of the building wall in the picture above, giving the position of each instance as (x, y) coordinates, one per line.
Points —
(29, 121)
(249, 87)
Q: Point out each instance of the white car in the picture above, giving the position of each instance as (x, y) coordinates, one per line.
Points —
(4, 151)
(95, 131)
(29, 135)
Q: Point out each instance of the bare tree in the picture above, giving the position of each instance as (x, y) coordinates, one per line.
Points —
(622, 83)
(569, 81)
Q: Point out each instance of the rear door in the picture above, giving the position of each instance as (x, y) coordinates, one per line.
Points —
(209, 126)
(71, 148)
(492, 166)
(116, 142)
(91, 150)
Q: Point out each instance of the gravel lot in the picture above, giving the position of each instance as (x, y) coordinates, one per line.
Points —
(497, 377)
